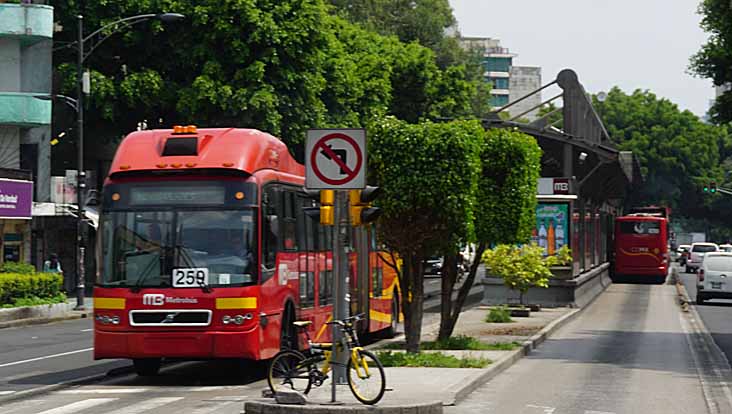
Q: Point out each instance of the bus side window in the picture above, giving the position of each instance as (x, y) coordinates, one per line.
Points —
(271, 205)
(289, 239)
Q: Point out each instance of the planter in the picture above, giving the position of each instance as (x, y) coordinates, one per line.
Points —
(562, 272)
(520, 312)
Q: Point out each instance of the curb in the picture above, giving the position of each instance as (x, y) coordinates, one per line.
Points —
(261, 407)
(41, 321)
(459, 393)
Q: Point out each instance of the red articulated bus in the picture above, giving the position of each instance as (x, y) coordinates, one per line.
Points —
(205, 252)
(641, 244)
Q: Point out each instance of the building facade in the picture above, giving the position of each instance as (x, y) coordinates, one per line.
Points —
(509, 82)
(26, 32)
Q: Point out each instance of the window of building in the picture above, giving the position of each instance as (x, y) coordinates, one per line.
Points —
(499, 100)
(497, 64)
(500, 83)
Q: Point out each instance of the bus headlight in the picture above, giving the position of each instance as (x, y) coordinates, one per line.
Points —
(106, 320)
(237, 319)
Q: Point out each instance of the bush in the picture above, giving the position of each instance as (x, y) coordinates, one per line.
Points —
(429, 359)
(35, 301)
(500, 314)
(15, 267)
(14, 286)
(464, 342)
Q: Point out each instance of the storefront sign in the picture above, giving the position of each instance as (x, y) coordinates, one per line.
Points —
(552, 226)
(16, 199)
(555, 186)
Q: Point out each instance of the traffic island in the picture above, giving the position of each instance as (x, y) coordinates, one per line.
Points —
(270, 407)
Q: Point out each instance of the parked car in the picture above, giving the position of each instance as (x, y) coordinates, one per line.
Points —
(725, 248)
(715, 277)
(683, 251)
(433, 266)
(696, 256)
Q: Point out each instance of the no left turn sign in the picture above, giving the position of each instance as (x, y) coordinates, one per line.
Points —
(335, 159)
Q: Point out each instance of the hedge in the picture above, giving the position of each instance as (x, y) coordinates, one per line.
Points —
(17, 285)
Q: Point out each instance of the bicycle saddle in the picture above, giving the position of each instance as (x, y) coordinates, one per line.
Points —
(302, 324)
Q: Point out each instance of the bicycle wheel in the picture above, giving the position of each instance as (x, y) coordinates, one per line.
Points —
(286, 372)
(366, 378)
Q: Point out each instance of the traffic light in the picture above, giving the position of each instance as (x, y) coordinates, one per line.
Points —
(713, 187)
(705, 188)
(360, 209)
(325, 212)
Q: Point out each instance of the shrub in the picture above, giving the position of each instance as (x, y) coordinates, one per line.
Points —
(15, 267)
(15, 286)
(464, 342)
(500, 314)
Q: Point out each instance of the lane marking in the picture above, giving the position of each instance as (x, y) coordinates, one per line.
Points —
(21, 406)
(7, 392)
(598, 412)
(78, 406)
(545, 410)
(147, 405)
(104, 391)
(87, 330)
(9, 364)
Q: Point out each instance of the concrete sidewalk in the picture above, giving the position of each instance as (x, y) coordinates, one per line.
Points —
(40, 314)
(407, 386)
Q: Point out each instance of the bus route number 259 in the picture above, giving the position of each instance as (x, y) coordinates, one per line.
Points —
(190, 277)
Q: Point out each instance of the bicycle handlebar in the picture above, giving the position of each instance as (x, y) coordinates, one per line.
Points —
(345, 321)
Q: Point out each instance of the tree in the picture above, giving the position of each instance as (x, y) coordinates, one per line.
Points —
(428, 173)
(714, 60)
(676, 150)
(281, 67)
(505, 209)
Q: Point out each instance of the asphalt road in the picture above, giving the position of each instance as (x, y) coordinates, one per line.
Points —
(44, 355)
(629, 352)
(716, 314)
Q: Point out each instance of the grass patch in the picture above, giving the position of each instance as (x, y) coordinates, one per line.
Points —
(460, 343)
(429, 359)
(499, 314)
(35, 301)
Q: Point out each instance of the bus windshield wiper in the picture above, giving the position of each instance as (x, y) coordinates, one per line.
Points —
(189, 262)
(146, 272)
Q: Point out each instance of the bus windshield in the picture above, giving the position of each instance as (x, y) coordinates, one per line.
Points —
(143, 248)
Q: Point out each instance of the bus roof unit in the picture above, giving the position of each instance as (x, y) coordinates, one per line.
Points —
(245, 150)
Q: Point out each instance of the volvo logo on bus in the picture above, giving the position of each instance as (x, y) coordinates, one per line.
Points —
(153, 299)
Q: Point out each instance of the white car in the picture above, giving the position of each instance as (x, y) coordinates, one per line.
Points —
(696, 255)
(725, 248)
(715, 277)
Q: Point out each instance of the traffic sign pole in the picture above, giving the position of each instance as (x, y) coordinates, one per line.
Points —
(340, 305)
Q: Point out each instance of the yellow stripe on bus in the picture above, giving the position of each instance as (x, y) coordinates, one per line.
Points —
(379, 316)
(109, 303)
(236, 303)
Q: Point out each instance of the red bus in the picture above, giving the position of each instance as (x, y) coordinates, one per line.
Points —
(641, 246)
(205, 252)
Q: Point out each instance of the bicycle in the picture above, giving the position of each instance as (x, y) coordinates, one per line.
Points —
(295, 370)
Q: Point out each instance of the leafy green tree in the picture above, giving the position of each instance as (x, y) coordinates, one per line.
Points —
(677, 151)
(714, 59)
(428, 173)
(504, 212)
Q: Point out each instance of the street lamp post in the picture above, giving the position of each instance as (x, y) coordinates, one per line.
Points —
(93, 40)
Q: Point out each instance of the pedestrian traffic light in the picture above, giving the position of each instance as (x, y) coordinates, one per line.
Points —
(705, 188)
(713, 187)
(360, 208)
(325, 212)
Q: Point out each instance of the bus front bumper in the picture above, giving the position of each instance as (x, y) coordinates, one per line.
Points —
(642, 271)
(182, 344)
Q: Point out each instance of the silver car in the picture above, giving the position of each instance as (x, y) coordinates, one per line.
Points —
(696, 255)
(714, 279)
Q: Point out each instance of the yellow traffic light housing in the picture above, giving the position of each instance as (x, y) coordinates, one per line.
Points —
(325, 213)
(360, 209)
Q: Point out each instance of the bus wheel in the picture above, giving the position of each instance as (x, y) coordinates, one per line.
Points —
(147, 367)
(288, 334)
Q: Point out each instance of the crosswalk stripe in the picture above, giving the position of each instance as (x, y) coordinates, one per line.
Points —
(146, 405)
(78, 406)
(21, 406)
(104, 391)
(212, 408)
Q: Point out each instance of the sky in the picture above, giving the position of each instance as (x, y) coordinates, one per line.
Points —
(633, 44)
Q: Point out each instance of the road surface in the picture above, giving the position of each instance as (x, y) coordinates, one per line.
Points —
(628, 352)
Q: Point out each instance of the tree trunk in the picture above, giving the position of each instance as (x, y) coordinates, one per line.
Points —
(449, 277)
(412, 300)
(447, 326)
